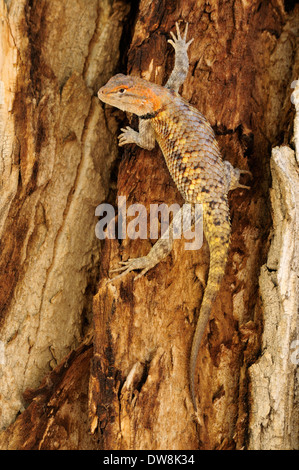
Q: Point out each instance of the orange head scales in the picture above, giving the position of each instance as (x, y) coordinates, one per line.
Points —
(134, 95)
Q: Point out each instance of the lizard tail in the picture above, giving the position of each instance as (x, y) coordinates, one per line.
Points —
(217, 232)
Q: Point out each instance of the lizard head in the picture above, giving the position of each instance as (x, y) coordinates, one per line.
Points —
(133, 94)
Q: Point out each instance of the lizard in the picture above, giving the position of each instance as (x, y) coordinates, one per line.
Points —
(193, 158)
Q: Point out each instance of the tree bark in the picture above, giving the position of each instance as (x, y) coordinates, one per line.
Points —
(59, 158)
(56, 158)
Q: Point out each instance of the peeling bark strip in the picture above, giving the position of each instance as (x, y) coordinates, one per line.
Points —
(58, 150)
(274, 378)
(274, 414)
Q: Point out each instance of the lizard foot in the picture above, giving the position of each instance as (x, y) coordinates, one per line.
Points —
(128, 136)
(243, 172)
(144, 263)
(180, 43)
(234, 176)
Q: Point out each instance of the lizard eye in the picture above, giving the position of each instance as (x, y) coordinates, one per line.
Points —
(122, 90)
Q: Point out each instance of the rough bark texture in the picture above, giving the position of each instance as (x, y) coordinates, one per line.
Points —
(274, 377)
(274, 384)
(58, 156)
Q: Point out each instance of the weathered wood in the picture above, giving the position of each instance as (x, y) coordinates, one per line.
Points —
(58, 158)
(56, 413)
(274, 377)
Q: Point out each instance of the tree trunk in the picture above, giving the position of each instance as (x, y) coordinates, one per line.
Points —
(65, 333)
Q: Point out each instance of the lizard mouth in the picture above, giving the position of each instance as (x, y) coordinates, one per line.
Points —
(104, 96)
(104, 91)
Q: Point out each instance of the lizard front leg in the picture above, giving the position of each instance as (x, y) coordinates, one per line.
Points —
(181, 62)
(145, 138)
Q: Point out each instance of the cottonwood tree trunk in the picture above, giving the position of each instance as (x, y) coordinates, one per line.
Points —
(90, 365)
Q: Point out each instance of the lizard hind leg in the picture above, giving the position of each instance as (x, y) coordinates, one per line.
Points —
(130, 265)
(158, 252)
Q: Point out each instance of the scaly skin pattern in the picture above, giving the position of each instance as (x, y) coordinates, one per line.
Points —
(194, 161)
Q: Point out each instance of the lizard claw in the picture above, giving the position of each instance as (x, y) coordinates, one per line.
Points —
(128, 136)
(179, 42)
(245, 172)
(130, 265)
